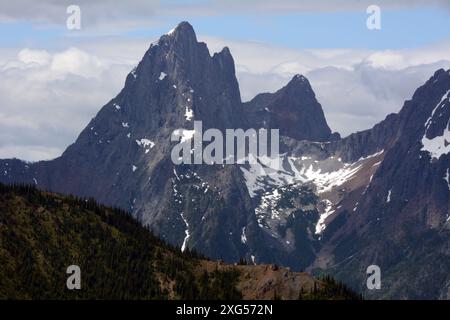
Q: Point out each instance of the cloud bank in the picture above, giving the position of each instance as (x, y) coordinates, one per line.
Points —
(46, 98)
(106, 14)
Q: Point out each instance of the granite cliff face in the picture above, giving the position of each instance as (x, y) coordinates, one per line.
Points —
(380, 196)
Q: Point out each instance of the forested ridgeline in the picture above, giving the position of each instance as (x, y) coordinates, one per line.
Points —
(42, 233)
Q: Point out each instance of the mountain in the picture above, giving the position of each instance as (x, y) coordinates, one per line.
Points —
(293, 110)
(379, 197)
(402, 220)
(126, 148)
(41, 234)
(330, 204)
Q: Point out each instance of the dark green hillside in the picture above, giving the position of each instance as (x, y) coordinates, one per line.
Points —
(43, 233)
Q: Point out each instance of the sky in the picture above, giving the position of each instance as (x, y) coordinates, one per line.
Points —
(359, 75)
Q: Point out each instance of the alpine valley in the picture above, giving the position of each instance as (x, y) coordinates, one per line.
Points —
(337, 205)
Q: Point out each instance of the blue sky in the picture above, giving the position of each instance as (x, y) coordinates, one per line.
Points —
(405, 28)
(400, 29)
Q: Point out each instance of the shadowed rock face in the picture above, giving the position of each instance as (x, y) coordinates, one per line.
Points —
(326, 207)
(293, 109)
(402, 221)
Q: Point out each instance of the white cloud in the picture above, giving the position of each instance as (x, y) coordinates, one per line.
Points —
(40, 57)
(76, 62)
(47, 98)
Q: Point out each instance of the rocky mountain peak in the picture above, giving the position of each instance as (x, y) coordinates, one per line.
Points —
(182, 39)
(298, 82)
(178, 81)
(293, 109)
(426, 115)
(441, 74)
(183, 30)
(225, 60)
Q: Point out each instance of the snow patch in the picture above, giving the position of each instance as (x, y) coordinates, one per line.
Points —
(134, 168)
(388, 198)
(146, 144)
(376, 164)
(439, 145)
(320, 226)
(133, 72)
(175, 173)
(162, 75)
(270, 171)
(186, 232)
(243, 236)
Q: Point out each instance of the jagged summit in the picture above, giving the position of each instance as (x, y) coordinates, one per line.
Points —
(183, 32)
(441, 72)
(299, 84)
(293, 109)
(182, 27)
(439, 80)
(190, 84)
(299, 78)
(182, 37)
